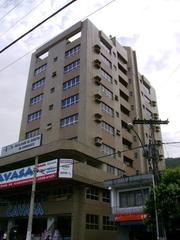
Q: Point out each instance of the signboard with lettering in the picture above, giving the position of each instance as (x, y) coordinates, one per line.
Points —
(134, 216)
(22, 176)
(22, 210)
(21, 146)
(65, 168)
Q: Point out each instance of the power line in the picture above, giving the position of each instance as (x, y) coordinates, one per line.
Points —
(39, 24)
(17, 60)
(2, 69)
(21, 19)
(11, 10)
(98, 10)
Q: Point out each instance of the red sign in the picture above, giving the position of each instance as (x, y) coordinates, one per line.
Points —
(133, 216)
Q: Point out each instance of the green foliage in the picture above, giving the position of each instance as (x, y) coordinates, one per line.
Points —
(167, 200)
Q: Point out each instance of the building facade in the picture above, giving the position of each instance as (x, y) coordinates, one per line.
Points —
(83, 89)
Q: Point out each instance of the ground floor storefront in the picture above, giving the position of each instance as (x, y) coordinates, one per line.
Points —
(58, 227)
(63, 210)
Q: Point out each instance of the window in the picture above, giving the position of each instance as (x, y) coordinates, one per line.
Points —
(133, 198)
(33, 133)
(106, 61)
(126, 143)
(107, 109)
(34, 116)
(117, 114)
(92, 193)
(52, 90)
(38, 84)
(51, 107)
(70, 101)
(71, 83)
(106, 75)
(107, 150)
(36, 100)
(124, 110)
(40, 69)
(107, 127)
(115, 81)
(108, 224)
(72, 51)
(48, 126)
(123, 95)
(110, 169)
(106, 196)
(70, 120)
(106, 92)
(128, 161)
(92, 221)
(72, 66)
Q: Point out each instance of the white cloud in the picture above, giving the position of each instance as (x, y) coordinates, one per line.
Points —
(150, 27)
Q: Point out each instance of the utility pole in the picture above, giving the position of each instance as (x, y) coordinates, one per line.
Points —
(153, 153)
(31, 208)
(153, 156)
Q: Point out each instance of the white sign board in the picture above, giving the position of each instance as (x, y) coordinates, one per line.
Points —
(21, 146)
(22, 176)
(65, 168)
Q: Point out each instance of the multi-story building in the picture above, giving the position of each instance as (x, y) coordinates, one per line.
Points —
(83, 89)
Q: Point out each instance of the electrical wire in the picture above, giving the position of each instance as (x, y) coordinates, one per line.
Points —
(98, 10)
(39, 24)
(17, 60)
(33, 9)
(10, 10)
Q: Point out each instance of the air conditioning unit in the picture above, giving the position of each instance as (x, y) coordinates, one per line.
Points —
(98, 141)
(97, 63)
(116, 98)
(54, 74)
(153, 103)
(161, 157)
(98, 117)
(118, 132)
(97, 80)
(155, 116)
(157, 128)
(97, 48)
(97, 98)
(158, 142)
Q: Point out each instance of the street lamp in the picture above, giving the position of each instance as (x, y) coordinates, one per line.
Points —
(146, 154)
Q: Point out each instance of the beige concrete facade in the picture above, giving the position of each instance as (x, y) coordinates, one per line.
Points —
(128, 94)
(80, 98)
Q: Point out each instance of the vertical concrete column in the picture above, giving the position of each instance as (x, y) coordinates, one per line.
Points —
(10, 224)
(77, 229)
(51, 221)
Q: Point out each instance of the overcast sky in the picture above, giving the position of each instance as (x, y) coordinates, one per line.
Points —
(150, 27)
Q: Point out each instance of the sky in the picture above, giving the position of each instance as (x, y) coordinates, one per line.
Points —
(150, 27)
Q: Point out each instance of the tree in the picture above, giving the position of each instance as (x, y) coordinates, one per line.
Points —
(167, 201)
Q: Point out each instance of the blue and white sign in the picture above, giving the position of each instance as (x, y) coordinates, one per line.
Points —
(22, 176)
(22, 210)
(21, 146)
